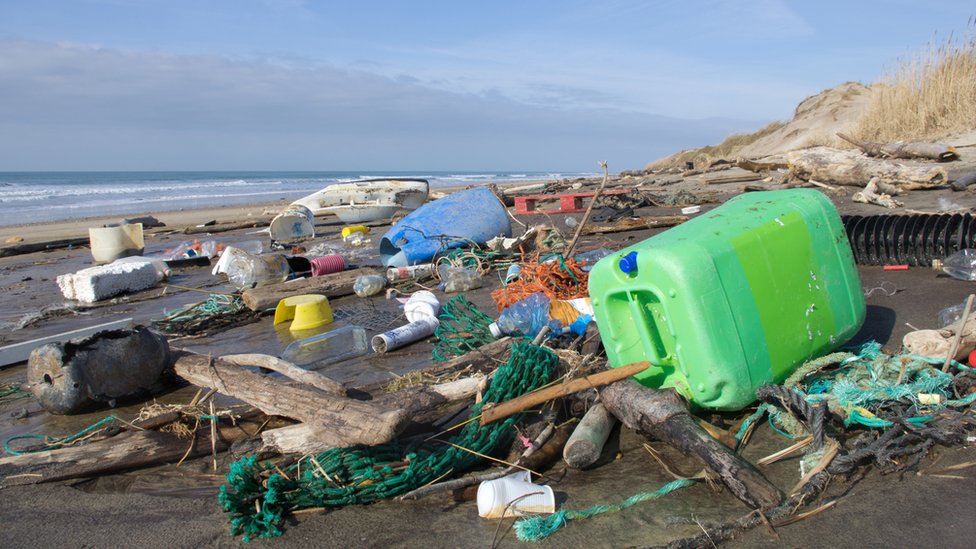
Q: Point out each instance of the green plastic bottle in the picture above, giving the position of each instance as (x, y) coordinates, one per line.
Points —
(733, 299)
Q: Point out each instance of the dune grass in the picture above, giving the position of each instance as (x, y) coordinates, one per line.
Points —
(728, 147)
(932, 95)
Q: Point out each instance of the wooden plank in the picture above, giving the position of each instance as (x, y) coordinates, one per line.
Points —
(743, 178)
(636, 224)
(330, 285)
(19, 352)
(20, 249)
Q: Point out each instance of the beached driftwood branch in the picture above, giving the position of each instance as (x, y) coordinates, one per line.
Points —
(589, 209)
(853, 169)
(664, 415)
(760, 166)
(904, 149)
(636, 224)
(878, 192)
(414, 401)
(19, 249)
(123, 452)
(288, 369)
(330, 285)
(341, 421)
(225, 227)
(737, 178)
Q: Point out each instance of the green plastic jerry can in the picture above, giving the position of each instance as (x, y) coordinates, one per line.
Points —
(731, 300)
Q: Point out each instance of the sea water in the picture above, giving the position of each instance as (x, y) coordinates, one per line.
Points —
(32, 197)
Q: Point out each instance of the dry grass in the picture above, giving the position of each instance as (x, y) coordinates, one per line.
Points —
(729, 147)
(930, 96)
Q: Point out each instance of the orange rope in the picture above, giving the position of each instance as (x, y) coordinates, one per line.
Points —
(554, 279)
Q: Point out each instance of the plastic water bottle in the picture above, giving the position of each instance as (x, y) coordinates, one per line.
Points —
(246, 270)
(332, 346)
(961, 265)
(526, 317)
(367, 285)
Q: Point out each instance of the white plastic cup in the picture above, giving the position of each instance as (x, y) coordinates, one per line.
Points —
(514, 496)
(421, 305)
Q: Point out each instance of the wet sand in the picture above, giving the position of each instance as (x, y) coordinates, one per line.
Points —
(174, 506)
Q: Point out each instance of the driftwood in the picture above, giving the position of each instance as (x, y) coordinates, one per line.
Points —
(636, 224)
(330, 285)
(738, 178)
(126, 451)
(665, 415)
(20, 249)
(288, 369)
(516, 405)
(853, 169)
(963, 182)
(340, 422)
(224, 227)
(586, 443)
(759, 166)
(904, 149)
(878, 192)
(414, 401)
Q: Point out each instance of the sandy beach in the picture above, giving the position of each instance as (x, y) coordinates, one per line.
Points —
(176, 506)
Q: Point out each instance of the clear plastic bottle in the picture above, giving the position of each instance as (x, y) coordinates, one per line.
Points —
(367, 285)
(961, 265)
(332, 346)
(454, 279)
(526, 317)
(246, 270)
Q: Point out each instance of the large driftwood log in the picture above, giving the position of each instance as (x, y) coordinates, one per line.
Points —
(307, 439)
(341, 421)
(123, 452)
(224, 227)
(665, 415)
(853, 169)
(904, 149)
(330, 285)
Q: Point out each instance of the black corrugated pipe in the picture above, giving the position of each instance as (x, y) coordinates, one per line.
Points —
(908, 239)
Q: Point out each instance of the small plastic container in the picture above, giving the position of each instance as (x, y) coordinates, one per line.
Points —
(367, 285)
(960, 265)
(327, 348)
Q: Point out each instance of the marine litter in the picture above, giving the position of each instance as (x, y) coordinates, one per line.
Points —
(749, 327)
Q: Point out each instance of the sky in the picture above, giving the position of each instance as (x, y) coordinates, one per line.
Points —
(425, 85)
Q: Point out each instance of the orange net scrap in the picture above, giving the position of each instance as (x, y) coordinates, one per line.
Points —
(556, 277)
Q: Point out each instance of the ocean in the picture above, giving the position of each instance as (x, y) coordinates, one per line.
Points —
(32, 197)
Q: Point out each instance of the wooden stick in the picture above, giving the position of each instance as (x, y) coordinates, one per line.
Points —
(773, 458)
(958, 337)
(288, 369)
(586, 216)
(636, 224)
(516, 405)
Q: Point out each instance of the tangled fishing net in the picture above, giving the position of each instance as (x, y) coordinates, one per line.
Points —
(556, 277)
(258, 496)
(462, 328)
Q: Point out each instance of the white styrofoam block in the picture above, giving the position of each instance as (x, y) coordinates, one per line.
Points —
(105, 281)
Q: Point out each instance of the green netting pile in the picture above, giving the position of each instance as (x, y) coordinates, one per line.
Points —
(259, 495)
(462, 328)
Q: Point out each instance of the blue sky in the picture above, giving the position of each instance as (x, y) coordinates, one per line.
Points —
(303, 85)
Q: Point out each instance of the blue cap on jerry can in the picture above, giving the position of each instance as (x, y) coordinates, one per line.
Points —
(628, 263)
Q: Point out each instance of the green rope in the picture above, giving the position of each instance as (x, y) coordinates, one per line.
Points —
(52, 443)
(214, 306)
(462, 328)
(10, 392)
(258, 496)
(539, 527)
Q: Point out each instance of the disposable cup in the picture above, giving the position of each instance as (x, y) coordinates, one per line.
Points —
(514, 496)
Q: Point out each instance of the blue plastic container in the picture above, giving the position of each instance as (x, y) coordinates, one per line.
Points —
(459, 219)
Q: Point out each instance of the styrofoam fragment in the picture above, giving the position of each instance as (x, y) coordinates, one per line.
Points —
(105, 281)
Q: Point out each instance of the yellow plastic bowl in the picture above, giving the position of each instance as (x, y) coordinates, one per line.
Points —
(307, 311)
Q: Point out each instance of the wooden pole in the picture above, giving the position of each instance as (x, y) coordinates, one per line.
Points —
(524, 402)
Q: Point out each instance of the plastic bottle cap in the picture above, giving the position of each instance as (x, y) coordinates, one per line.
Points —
(496, 332)
(628, 263)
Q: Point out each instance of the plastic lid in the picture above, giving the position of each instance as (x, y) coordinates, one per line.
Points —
(628, 263)
(496, 332)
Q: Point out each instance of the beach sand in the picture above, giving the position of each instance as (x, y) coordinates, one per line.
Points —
(174, 506)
